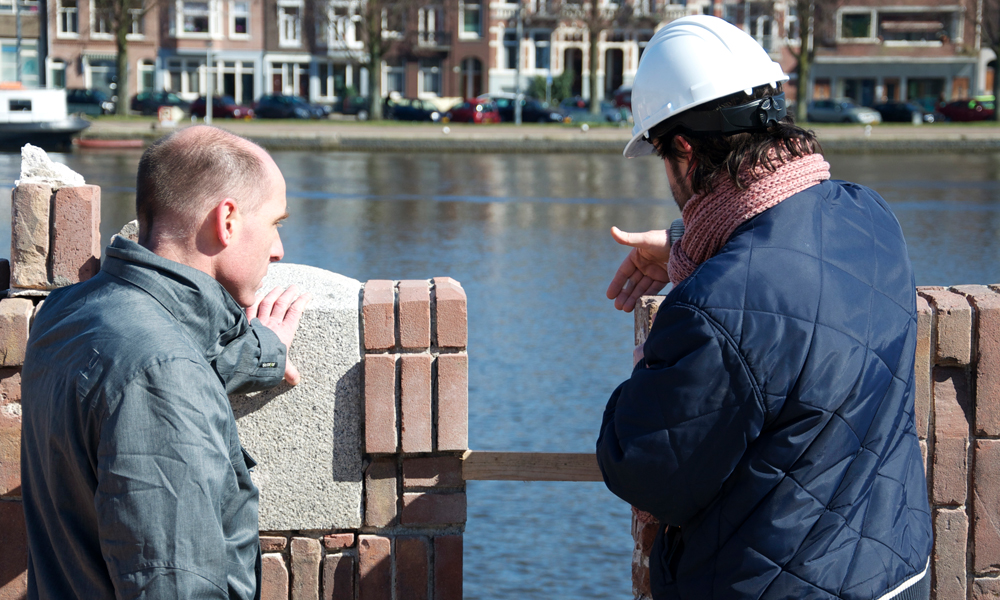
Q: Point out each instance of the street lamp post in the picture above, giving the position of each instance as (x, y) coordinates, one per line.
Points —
(517, 72)
(17, 51)
(209, 87)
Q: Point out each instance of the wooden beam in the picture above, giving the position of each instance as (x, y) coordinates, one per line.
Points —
(529, 466)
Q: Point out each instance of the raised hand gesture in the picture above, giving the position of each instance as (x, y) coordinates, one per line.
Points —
(644, 270)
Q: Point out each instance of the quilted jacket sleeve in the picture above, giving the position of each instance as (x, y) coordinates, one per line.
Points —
(677, 428)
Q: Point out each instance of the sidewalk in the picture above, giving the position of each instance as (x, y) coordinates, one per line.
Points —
(534, 138)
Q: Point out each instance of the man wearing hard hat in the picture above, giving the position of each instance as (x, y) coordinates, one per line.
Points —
(768, 423)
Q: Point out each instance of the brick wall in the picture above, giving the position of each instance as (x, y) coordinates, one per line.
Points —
(957, 407)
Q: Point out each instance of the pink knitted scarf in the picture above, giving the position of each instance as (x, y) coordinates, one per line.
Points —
(709, 219)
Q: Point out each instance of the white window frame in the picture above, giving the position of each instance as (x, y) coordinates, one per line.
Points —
(340, 29)
(422, 91)
(288, 24)
(462, 33)
(957, 14)
(233, 34)
(142, 66)
(872, 27)
(63, 12)
(428, 18)
(138, 18)
(213, 21)
(7, 7)
(95, 34)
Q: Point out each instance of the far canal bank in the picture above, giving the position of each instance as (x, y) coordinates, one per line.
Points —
(347, 136)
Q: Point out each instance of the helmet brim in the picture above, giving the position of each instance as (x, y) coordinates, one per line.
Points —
(638, 146)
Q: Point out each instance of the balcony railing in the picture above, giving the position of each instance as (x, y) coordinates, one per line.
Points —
(433, 39)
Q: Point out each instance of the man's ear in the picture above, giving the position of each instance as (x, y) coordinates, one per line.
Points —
(683, 145)
(226, 218)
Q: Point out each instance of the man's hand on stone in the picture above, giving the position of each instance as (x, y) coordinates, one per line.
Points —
(280, 312)
(644, 270)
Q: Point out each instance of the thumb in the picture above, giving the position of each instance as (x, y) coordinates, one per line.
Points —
(646, 240)
(291, 373)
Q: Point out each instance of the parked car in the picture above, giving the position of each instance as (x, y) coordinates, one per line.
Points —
(623, 97)
(88, 102)
(475, 110)
(223, 107)
(578, 110)
(359, 106)
(532, 109)
(280, 106)
(841, 110)
(410, 109)
(968, 110)
(904, 112)
(148, 103)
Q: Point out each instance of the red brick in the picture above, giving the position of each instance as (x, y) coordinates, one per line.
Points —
(15, 315)
(29, 254)
(922, 374)
(986, 588)
(414, 314)
(13, 552)
(953, 326)
(453, 402)
(378, 309)
(412, 565)
(380, 403)
(640, 577)
(306, 556)
(374, 568)
(986, 303)
(433, 509)
(415, 402)
(986, 506)
(10, 460)
(273, 543)
(338, 577)
(381, 496)
(4, 274)
(338, 541)
(448, 567)
(951, 530)
(439, 471)
(951, 436)
(273, 578)
(76, 234)
(450, 313)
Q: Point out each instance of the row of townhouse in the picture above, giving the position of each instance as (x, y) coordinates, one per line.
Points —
(871, 51)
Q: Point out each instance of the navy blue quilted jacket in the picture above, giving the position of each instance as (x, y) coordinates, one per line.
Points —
(770, 423)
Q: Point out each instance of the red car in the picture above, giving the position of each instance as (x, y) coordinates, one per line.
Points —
(968, 110)
(223, 107)
(475, 111)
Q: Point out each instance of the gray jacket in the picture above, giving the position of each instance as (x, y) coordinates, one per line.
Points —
(134, 481)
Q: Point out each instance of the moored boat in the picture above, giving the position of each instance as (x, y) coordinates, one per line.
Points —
(37, 116)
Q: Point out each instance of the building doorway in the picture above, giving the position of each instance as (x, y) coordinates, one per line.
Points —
(614, 70)
(470, 78)
(573, 60)
(862, 91)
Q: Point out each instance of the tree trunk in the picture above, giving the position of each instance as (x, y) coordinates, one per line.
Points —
(595, 95)
(375, 76)
(802, 71)
(121, 61)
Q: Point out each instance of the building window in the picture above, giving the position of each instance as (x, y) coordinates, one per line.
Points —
(332, 80)
(184, 77)
(920, 27)
(147, 71)
(100, 21)
(856, 26)
(29, 62)
(427, 25)
(289, 23)
(137, 29)
(66, 18)
(429, 81)
(470, 15)
(195, 16)
(239, 19)
(543, 42)
(57, 74)
(395, 79)
(510, 50)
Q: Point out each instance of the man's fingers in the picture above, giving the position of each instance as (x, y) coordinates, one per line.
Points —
(640, 289)
(621, 276)
(294, 311)
(291, 373)
(655, 240)
(283, 301)
(265, 304)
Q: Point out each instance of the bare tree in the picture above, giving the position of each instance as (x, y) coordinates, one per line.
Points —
(990, 31)
(385, 27)
(814, 25)
(118, 17)
(596, 19)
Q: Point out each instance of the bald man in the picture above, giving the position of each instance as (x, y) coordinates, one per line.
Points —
(134, 481)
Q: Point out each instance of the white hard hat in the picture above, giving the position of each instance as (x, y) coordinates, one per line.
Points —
(689, 62)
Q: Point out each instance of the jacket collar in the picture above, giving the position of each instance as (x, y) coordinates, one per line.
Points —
(199, 303)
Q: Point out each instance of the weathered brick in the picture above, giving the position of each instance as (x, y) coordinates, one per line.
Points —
(10, 432)
(986, 303)
(15, 316)
(640, 577)
(433, 509)
(414, 314)
(381, 495)
(438, 471)
(448, 567)
(951, 529)
(306, 555)
(986, 506)
(13, 552)
(273, 578)
(453, 402)
(76, 234)
(4, 274)
(450, 313)
(922, 367)
(338, 541)
(951, 436)
(952, 324)
(338, 577)
(412, 565)
(986, 588)
(29, 253)
(374, 568)
(378, 309)
(380, 403)
(415, 402)
(923, 455)
(270, 543)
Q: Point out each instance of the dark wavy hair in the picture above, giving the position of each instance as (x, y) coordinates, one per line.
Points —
(715, 156)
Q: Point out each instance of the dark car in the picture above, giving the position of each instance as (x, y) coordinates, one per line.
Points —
(475, 110)
(532, 110)
(280, 106)
(88, 102)
(841, 110)
(623, 97)
(410, 109)
(904, 112)
(148, 103)
(968, 110)
(223, 107)
(578, 110)
(359, 106)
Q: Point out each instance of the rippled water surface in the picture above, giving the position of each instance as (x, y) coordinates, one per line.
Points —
(528, 238)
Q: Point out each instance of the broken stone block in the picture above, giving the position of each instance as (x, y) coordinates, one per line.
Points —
(130, 232)
(37, 167)
(29, 251)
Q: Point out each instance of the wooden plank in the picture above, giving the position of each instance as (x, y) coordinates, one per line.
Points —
(529, 466)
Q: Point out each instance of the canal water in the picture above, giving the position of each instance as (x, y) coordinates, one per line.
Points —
(528, 238)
